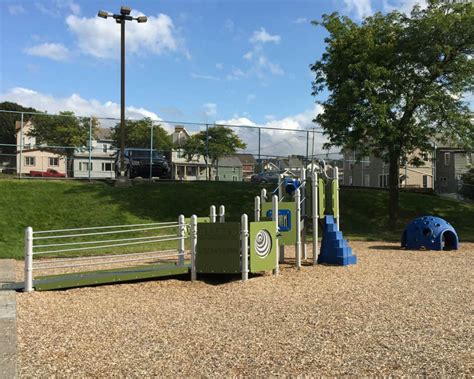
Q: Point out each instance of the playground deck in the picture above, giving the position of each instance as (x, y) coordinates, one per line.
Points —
(397, 313)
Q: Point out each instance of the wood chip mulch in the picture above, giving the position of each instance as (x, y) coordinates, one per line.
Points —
(395, 313)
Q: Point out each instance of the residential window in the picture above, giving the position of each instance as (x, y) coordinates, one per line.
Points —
(444, 181)
(180, 153)
(468, 159)
(447, 159)
(366, 161)
(53, 162)
(235, 178)
(105, 148)
(30, 161)
(350, 180)
(425, 181)
(383, 180)
(190, 171)
(84, 166)
(106, 166)
(367, 180)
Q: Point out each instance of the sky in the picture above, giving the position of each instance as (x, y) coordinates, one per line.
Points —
(234, 61)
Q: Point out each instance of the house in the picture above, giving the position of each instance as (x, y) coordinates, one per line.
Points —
(229, 169)
(249, 164)
(451, 164)
(31, 157)
(373, 172)
(275, 164)
(102, 157)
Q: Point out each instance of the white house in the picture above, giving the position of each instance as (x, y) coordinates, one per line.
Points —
(102, 157)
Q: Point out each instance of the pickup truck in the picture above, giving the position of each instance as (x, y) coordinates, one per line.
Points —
(49, 173)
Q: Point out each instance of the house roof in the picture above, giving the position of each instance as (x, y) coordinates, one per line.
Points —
(229, 162)
(103, 134)
(245, 158)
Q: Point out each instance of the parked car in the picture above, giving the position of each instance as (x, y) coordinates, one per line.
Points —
(49, 173)
(266, 177)
(137, 163)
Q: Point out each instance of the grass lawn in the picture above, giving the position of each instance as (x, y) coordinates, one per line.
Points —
(68, 204)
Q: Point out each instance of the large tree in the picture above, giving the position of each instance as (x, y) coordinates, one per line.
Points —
(395, 83)
(8, 120)
(216, 142)
(138, 133)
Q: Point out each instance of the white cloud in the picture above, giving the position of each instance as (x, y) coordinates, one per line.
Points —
(219, 66)
(236, 74)
(251, 97)
(55, 51)
(361, 8)
(248, 55)
(279, 142)
(203, 76)
(55, 8)
(300, 20)
(210, 109)
(262, 36)
(229, 25)
(16, 9)
(101, 38)
(74, 103)
(404, 6)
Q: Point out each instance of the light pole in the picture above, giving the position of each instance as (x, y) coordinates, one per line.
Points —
(121, 19)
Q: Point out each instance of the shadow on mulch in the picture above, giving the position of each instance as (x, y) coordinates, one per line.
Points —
(385, 247)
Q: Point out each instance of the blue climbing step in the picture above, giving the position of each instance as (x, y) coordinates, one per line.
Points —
(334, 248)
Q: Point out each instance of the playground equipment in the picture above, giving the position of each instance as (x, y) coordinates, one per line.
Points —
(214, 245)
(430, 232)
(299, 210)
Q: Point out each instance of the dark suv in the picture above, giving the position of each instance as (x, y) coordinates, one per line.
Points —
(137, 163)
(266, 177)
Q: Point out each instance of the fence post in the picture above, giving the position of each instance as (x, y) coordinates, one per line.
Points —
(28, 259)
(276, 270)
(336, 197)
(259, 150)
(257, 208)
(181, 234)
(298, 228)
(221, 213)
(208, 174)
(193, 246)
(314, 210)
(90, 150)
(151, 152)
(212, 214)
(244, 236)
(21, 147)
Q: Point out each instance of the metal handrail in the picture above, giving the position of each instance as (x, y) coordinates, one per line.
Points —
(103, 227)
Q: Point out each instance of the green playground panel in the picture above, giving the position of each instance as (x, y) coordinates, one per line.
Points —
(286, 237)
(266, 260)
(322, 197)
(218, 248)
(88, 278)
(335, 197)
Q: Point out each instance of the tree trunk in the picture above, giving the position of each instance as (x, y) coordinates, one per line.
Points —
(394, 181)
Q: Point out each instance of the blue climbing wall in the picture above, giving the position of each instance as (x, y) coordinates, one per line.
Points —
(334, 248)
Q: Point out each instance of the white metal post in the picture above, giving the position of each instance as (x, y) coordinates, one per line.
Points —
(28, 259)
(280, 191)
(276, 270)
(336, 196)
(304, 228)
(212, 214)
(298, 228)
(314, 210)
(244, 237)
(151, 152)
(20, 169)
(193, 246)
(263, 196)
(181, 235)
(257, 208)
(90, 150)
(222, 213)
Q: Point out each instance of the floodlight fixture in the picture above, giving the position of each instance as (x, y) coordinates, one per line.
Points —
(103, 14)
(141, 19)
(125, 11)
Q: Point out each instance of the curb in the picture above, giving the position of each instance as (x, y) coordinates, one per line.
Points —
(8, 337)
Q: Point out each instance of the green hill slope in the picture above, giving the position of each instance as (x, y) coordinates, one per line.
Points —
(68, 204)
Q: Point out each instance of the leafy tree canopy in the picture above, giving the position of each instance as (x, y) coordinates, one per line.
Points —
(138, 132)
(217, 142)
(396, 82)
(63, 132)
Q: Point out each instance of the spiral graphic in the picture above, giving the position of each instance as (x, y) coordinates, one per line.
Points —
(263, 243)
